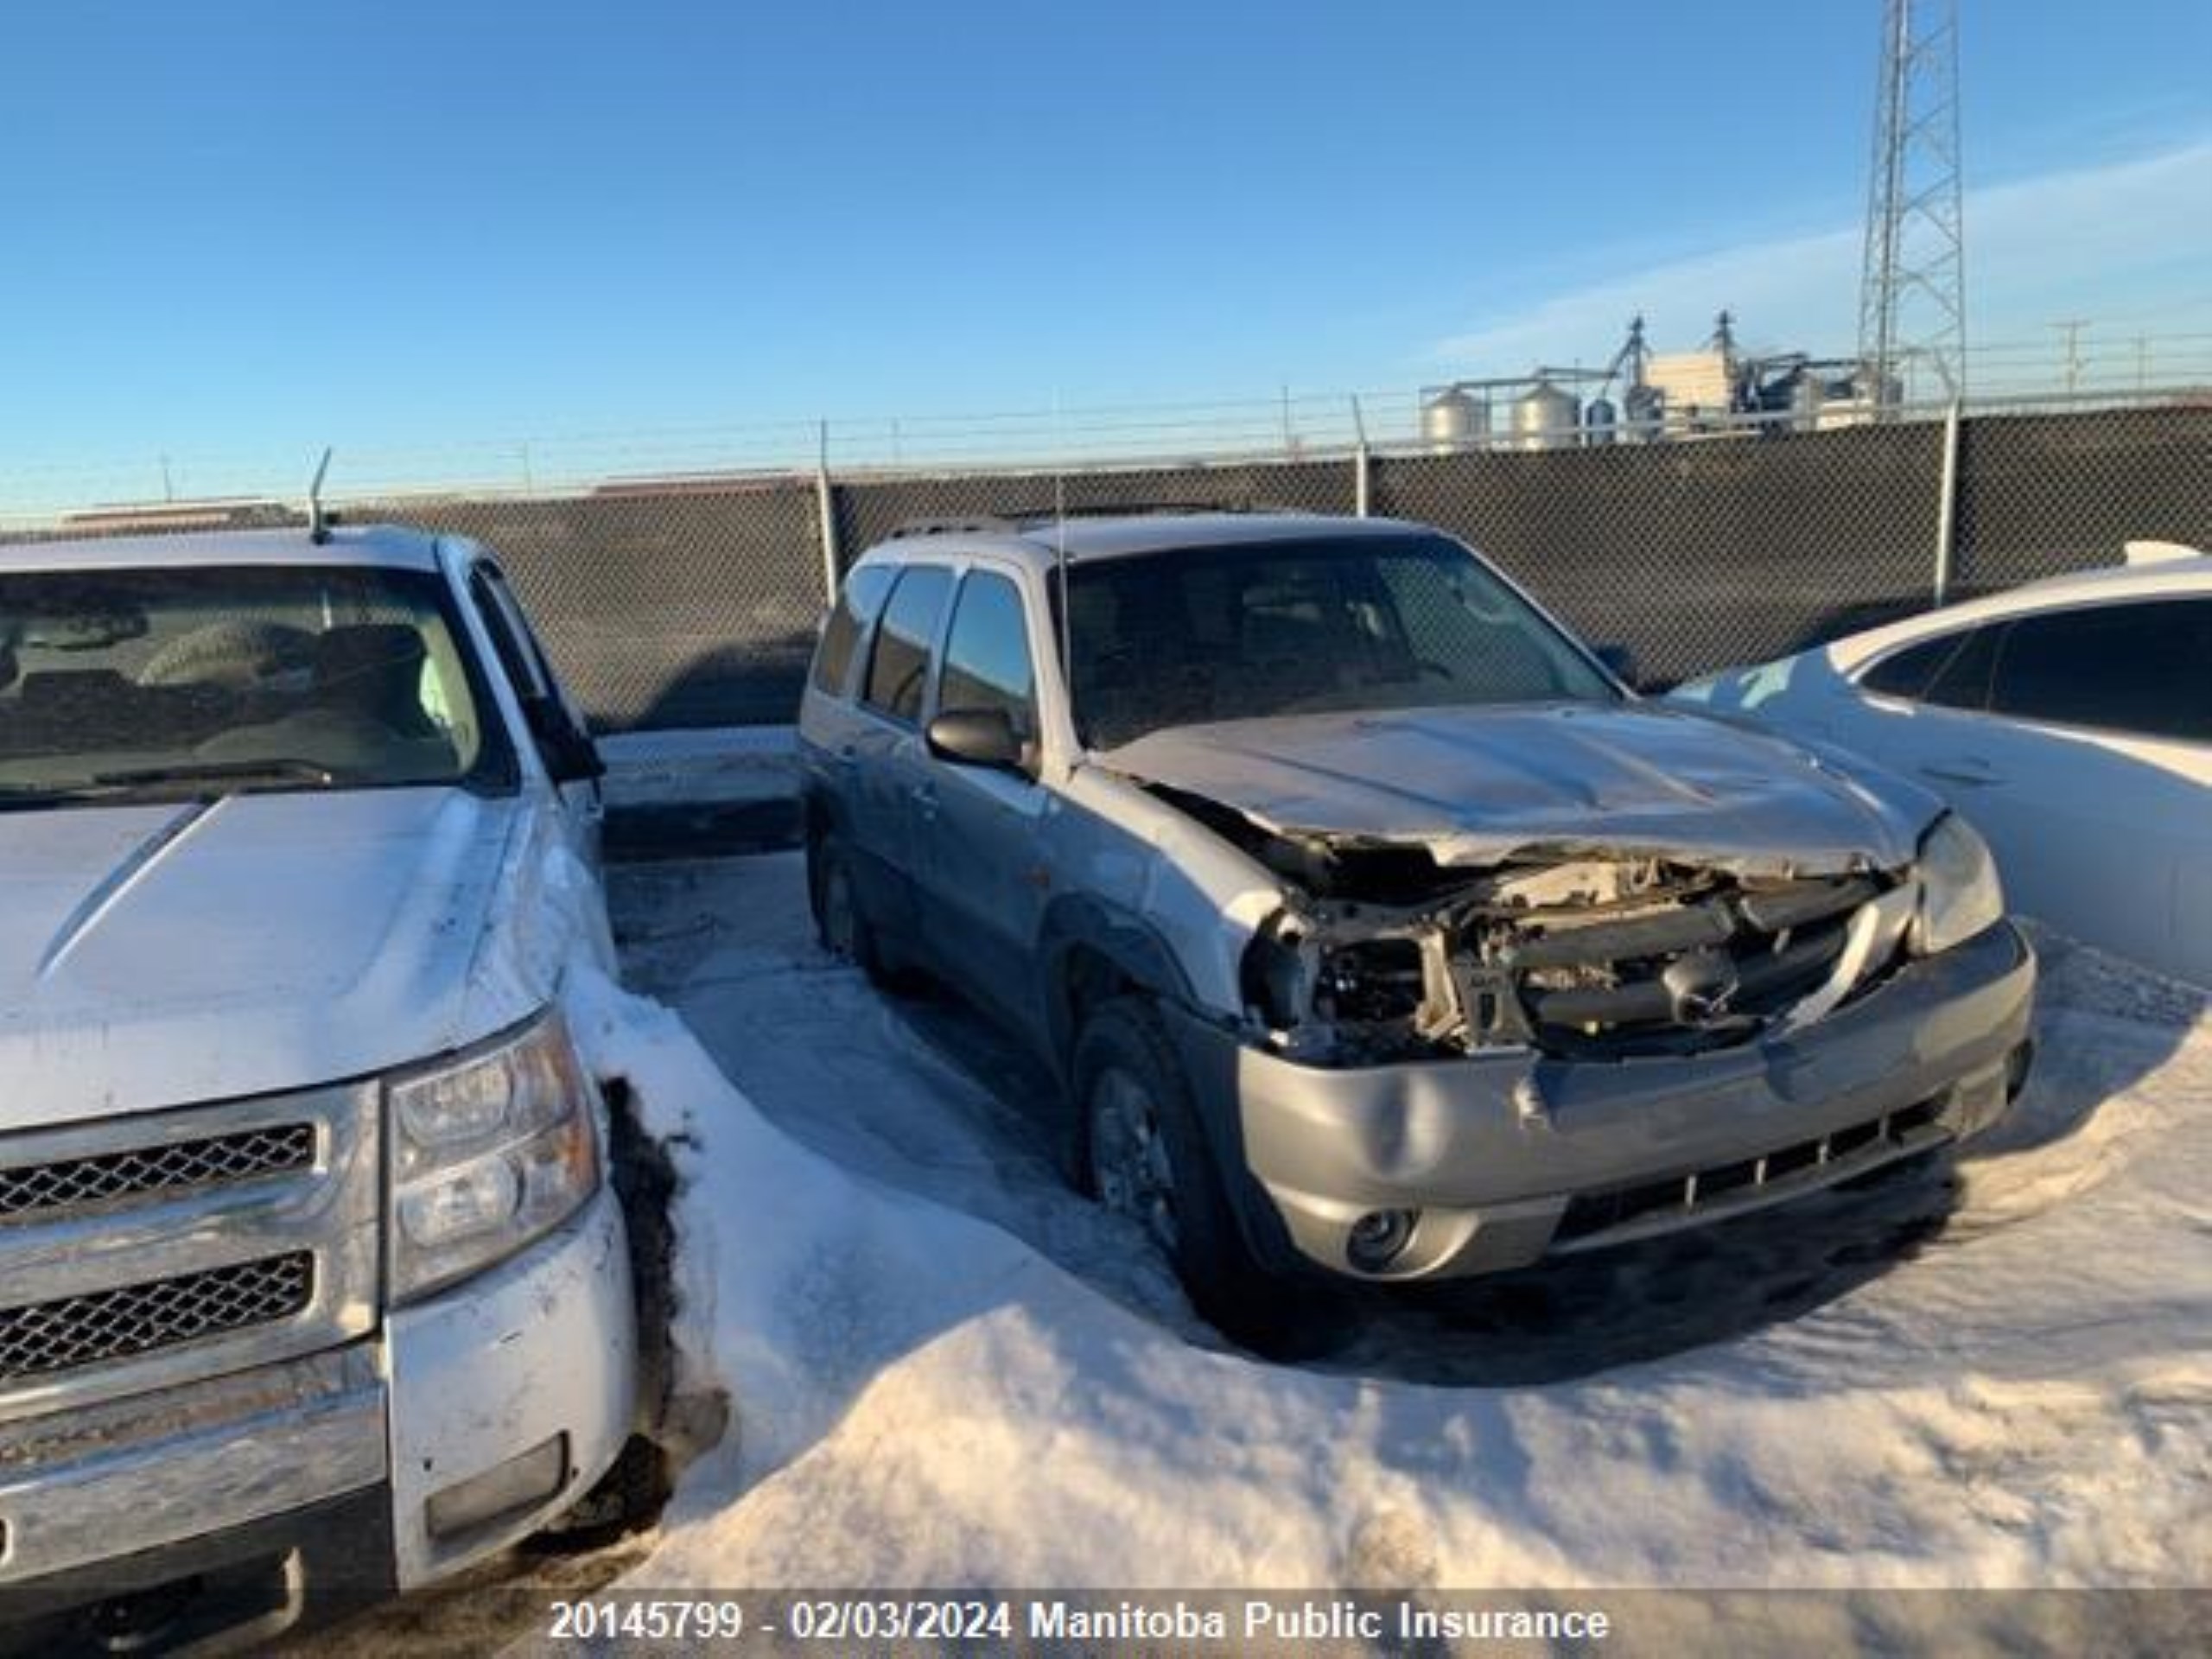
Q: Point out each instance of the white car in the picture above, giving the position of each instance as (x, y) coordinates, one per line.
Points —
(311, 1274)
(2069, 720)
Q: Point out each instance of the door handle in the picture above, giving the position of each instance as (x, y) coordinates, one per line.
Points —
(1969, 769)
(926, 800)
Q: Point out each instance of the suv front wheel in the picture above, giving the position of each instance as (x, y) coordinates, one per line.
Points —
(1146, 1156)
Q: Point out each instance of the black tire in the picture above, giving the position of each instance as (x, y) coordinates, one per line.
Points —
(840, 922)
(1123, 1045)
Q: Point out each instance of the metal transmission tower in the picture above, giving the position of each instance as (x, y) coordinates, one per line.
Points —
(1912, 301)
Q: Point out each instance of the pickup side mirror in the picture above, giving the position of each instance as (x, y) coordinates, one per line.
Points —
(978, 737)
(1620, 661)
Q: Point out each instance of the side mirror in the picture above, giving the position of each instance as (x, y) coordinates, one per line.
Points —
(1621, 662)
(978, 737)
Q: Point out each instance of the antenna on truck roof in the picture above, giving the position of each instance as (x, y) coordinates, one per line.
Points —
(318, 521)
(1060, 557)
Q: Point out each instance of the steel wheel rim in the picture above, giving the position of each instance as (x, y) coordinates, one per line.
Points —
(1129, 1158)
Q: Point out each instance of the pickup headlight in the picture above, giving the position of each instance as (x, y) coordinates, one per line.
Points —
(488, 1153)
(1959, 894)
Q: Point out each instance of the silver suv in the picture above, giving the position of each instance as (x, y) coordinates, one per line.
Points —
(1372, 923)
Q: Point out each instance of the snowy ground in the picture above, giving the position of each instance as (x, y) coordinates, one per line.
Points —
(949, 1371)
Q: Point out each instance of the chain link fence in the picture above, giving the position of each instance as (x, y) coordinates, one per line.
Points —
(692, 602)
(662, 606)
(1697, 555)
(2040, 495)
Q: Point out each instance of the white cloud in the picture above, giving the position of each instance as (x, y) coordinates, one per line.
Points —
(2127, 245)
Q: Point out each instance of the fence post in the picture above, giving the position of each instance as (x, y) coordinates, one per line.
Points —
(1947, 506)
(1362, 466)
(825, 503)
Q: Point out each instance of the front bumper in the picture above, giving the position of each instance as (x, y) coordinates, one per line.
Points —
(1511, 1158)
(129, 1494)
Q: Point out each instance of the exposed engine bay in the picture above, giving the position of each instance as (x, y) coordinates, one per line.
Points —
(1382, 953)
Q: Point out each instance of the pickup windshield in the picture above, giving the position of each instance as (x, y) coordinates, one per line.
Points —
(1245, 631)
(183, 682)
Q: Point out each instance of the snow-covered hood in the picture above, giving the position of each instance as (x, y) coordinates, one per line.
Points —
(1479, 785)
(155, 955)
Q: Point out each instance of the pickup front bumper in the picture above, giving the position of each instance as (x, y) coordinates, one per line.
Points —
(1500, 1161)
(337, 1474)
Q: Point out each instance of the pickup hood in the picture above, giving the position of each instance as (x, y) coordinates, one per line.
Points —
(1477, 785)
(155, 955)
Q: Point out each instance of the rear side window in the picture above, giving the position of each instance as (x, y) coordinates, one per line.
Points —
(900, 668)
(1963, 682)
(1952, 673)
(987, 662)
(1909, 672)
(2145, 669)
(848, 619)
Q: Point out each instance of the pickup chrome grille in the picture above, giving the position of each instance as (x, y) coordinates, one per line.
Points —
(148, 1249)
(72, 1184)
(45, 1337)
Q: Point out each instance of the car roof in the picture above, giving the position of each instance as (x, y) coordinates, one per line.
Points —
(1091, 538)
(2191, 574)
(2172, 574)
(387, 546)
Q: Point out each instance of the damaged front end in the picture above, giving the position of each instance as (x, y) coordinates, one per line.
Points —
(1382, 953)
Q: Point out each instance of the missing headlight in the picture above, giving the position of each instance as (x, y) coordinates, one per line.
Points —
(1277, 974)
(1372, 981)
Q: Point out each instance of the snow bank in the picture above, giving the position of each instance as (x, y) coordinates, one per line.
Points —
(2009, 1386)
(797, 1281)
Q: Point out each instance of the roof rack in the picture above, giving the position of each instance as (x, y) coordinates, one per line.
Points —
(974, 524)
(1013, 521)
(1157, 509)
(1024, 521)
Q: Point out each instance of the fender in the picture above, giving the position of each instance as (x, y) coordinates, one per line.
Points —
(1122, 937)
(1206, 1048)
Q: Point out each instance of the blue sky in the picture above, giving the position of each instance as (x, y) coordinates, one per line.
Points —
(250, 229)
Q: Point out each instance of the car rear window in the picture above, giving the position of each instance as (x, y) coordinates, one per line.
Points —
(1951, 673)
(1909, 673)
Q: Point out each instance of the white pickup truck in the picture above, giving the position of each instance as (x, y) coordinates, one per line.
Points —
(311, 1274)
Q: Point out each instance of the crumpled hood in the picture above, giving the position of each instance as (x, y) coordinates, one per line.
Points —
(1480, 784)
(153, 955)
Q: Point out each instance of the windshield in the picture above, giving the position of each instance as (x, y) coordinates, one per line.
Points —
(1245, 631)
(179, 682)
